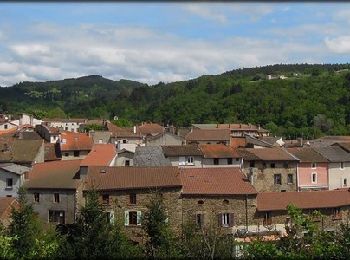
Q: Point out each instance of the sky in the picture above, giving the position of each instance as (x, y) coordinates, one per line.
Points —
(152, 42)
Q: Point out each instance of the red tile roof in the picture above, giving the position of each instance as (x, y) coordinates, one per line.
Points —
(122, 178)
(120, 132)
(274, 201)
(52, 152)
(215, 181)
(75, 142)
(266, 154)
(54, 175)
(218, 151)
(208, 135)
(100, 155)
(149, 129)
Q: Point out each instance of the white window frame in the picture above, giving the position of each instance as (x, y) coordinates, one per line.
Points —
(346, 180)
(312, 179)
(9, 187)
(182, 160)
(225, 219)
(189, 160)
(126, 217)
(312, 165)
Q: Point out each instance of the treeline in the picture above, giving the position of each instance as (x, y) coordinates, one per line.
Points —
(313, 100)
(97, 236)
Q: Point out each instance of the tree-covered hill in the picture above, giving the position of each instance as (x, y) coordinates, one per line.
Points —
(312, 100)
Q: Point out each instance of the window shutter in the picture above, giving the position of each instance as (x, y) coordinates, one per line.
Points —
(220, 220)
(182, 160)
(111, 217)
(139, 218)
(231, 220)
(126, 218)
(202, 220)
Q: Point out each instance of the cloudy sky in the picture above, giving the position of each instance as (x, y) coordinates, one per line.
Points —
(155, 42)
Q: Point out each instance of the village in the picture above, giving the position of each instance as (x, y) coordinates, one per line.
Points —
(234, 175)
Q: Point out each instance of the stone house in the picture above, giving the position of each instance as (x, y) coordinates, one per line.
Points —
(270, 169)
(126, 191)
(220, 155)
(52, 188)
(75, 145)
(12, 176)
(338, 166)
(312, 171)
(125, 158)
(183, 155)
(333, 205)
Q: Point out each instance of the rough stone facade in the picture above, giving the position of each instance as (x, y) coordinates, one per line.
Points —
(262, 175)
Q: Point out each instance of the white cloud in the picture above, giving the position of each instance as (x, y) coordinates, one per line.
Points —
(207, 12)
(338, 44)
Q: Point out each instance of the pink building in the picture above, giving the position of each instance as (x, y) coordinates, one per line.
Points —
(312, 170)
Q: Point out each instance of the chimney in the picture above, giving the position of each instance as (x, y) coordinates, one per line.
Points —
(217, 125)
(134, 129)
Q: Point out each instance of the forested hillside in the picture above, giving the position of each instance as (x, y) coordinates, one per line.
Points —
(312, 100)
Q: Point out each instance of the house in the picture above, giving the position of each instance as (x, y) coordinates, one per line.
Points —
(12, 176)
(6, 205)
(236, 130)
(100, 155)
(338, 166)
(75, 145)
(23, 152)
(217, 197)
(126, 158)
(70, 125)
(125, 137)
(150, 156)
(25, 119)
(5, 124)
(333, 205)
(183, 155)
(51, 188)
(220, 155)
(312, 173)
(49, 134)
(149, 129)
(165, 138)
(52, 152)
(125, 193)
(101, 137)
(208, 136)
(270, 169)
(326, 141)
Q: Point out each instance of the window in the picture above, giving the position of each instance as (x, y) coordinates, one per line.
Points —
(336, 213)
(66, 128)
(100, 141)
(314, 177)
(125, 141)
(9, 196)
(9, 183)
(273, 165)
(225, 202)
(105, 199)
(127, 162)
(57, 216)
(200, 220)
(277, 179)
(252, 164)
(36, 197)
(216, 161)
(110, 216)
(66, 154)
(225, 220)
(313, 165)
(56, 197)
(5, 127)
(200, 202)
(132, 198)
(132, 218)
(342, 165)
(345, 182)
(76, 153)
(290, 178)
(189, 160)
(267, 219)
(229, 161)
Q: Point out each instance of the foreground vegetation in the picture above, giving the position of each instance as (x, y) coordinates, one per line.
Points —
(93, 236)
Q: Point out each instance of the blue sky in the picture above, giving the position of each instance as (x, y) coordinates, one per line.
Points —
(153, 42)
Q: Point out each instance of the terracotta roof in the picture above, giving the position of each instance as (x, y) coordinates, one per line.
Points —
(52, 152)
(266, 154)
(21, 151)
(75, 141)
(215, 181)
(5, 206)
(181, 150)
(273, 201)
(306, 154)
(100, 155)
(333, 153)
(53, 130)
(149, 129)
(10, 131)
(54, 175)
(123, 178)
(218, 151)
(208, 135)
(120, 132)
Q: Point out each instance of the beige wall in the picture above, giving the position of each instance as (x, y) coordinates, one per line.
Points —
(209, 162)
(70, 156)
(336, 175)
